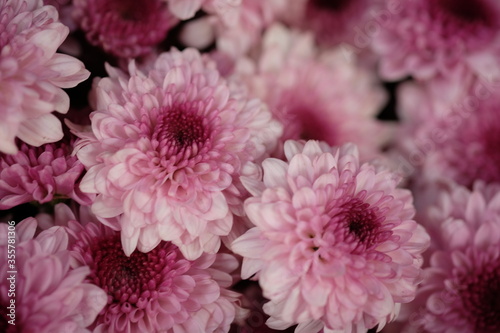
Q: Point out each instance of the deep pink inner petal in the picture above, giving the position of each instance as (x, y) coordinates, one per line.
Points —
(180, 128)
(313, 127)
(355, 226)
(133, 280)
(480, 294)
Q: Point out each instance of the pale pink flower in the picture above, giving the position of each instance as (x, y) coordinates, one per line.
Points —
(32, 73)
(334, 244)
(332, 22)
(166, 149)
(451, 135)
(41, 174)
(316, 95)
(461, 287)
(124, 28)
(158, 291)
(50, 297)
(430, 37)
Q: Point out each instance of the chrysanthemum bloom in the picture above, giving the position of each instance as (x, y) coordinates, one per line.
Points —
(50, 297)
(166, 149)
(451, 138)
(316, 95)
(124, 28)
(461, 288)
(41, 174)
(32, 73)
(431, 37)
(332, 21)
(334, 245)
(158, 291)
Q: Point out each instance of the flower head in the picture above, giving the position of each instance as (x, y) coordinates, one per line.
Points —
(50, 297)
(433, 37)
(155, 291)
(41, 174)
(452, 138)
(124, 28)
(316, 95)
(334, 244)
(32, 73)
(461, 288)
(166, 149)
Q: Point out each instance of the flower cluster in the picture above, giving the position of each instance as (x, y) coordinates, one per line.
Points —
(224, 166)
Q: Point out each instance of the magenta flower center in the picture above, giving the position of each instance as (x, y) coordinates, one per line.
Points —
(312, 127)
(480, 294)
(356, 227)
(362, 222)
(178, 129)
(332, 5)
(130, 281)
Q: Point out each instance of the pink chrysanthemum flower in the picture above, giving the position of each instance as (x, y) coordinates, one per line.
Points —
(431, 37)
(32, 73)
(41, 174)
(461, 288)
(451, 137)
(334, 245)
(166, 150)
(50, 297)
(124, 28)
(332, 21)
(158, 291)
(316, 95)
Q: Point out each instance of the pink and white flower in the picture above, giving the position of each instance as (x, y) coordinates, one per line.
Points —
(165, 151)
(50, 297)
(451, 133)
(124, 28)
(316, 95)
(334, 244)
(461, 288)
(41, 174)
(158, 291)
(32, 74)
(436, 37)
